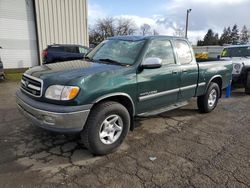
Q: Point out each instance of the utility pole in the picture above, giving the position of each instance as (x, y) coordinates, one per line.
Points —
(188, 11)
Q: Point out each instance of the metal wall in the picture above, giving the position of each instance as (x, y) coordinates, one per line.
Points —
(61, 22)
(17, 34)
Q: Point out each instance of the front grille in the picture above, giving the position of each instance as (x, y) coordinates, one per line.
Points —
(32, 85)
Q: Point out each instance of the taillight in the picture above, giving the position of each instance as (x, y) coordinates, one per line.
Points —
(45, 53)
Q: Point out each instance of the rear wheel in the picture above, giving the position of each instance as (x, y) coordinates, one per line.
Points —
(208, 102)
(106, 128)
(2, 77)
(247, 85)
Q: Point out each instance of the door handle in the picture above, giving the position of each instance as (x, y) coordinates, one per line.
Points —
(174, 72)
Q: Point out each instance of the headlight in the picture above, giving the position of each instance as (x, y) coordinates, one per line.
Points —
(59, 92)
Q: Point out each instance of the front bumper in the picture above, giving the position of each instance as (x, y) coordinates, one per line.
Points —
(53, 117)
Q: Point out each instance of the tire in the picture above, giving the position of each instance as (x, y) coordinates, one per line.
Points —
(247, 84)
(209, 101)
(97, 134)
(2, 77)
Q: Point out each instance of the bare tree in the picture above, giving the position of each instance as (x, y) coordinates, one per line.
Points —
(108, 27)
(125, 26)
(145, 29)
(155, 32)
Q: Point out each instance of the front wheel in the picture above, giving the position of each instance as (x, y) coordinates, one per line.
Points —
(106, 128)
(247, 85)
(208, 102)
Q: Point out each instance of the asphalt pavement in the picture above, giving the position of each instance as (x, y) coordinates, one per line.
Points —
(180, 148)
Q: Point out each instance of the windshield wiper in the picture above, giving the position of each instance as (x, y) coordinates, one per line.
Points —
(112, 61)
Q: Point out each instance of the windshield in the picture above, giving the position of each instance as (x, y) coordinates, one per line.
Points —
(119, 51)
(236, 52)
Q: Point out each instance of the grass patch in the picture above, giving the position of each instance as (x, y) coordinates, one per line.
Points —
(13, 76)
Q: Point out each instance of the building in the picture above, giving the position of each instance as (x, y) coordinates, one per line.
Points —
(28, 26)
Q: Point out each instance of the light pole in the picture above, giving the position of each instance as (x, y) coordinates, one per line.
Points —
(188, 11)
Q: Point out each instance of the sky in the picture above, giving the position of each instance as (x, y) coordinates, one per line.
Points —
(166, 15)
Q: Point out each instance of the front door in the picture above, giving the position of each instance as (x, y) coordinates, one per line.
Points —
(189, 69)
(158, 87)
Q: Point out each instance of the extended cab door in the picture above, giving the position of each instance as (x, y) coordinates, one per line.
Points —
(189, 69)
(158, 87)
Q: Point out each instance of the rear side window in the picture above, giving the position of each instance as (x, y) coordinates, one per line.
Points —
(83, 50)
(56, 49)
(161, 49)
(71, 49)
(183, 52)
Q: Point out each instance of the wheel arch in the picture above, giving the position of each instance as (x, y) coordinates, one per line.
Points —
(218, 80)
(124, 99)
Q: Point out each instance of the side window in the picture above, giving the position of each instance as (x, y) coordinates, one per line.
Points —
(56, 49)
(161, 49)
(183, 52)
(83, 50)
(71, 49)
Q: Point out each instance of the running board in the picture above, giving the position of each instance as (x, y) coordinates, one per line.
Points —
(164, 109)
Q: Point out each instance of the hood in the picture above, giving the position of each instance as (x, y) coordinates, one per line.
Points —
(239, 60)
(70, 70)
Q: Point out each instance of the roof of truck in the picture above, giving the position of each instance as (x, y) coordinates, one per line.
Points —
(138, 38)
(237, 46)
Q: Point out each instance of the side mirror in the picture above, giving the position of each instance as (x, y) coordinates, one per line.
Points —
(151, 63)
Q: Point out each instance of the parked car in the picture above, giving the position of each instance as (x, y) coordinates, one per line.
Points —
(2, 76)
(240, 56)
(61, 52)
(121, 78)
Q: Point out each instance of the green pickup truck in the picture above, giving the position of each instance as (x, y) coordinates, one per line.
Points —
(121, 78)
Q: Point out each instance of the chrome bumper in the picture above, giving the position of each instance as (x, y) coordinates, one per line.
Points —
(63, 120)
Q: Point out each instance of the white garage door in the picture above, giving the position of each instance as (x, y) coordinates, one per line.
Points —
(17, 34)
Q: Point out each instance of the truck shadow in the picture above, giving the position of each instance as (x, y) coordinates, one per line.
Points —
(43, 150)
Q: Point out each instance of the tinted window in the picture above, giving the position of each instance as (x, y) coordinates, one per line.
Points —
(56, 49)
(236, 52)
(183, 52)
(122, 51)
(161, 49)
(71, 49)
(83, 50)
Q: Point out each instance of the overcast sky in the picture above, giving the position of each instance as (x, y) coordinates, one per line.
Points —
(164, 15)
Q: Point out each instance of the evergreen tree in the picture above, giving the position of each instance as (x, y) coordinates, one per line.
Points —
(229, 31)
(235, 34)
(244, 38)
(211, 38)
(199, 43)
(225, 37)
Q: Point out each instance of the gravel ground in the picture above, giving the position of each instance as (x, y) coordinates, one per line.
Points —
(181, 148)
